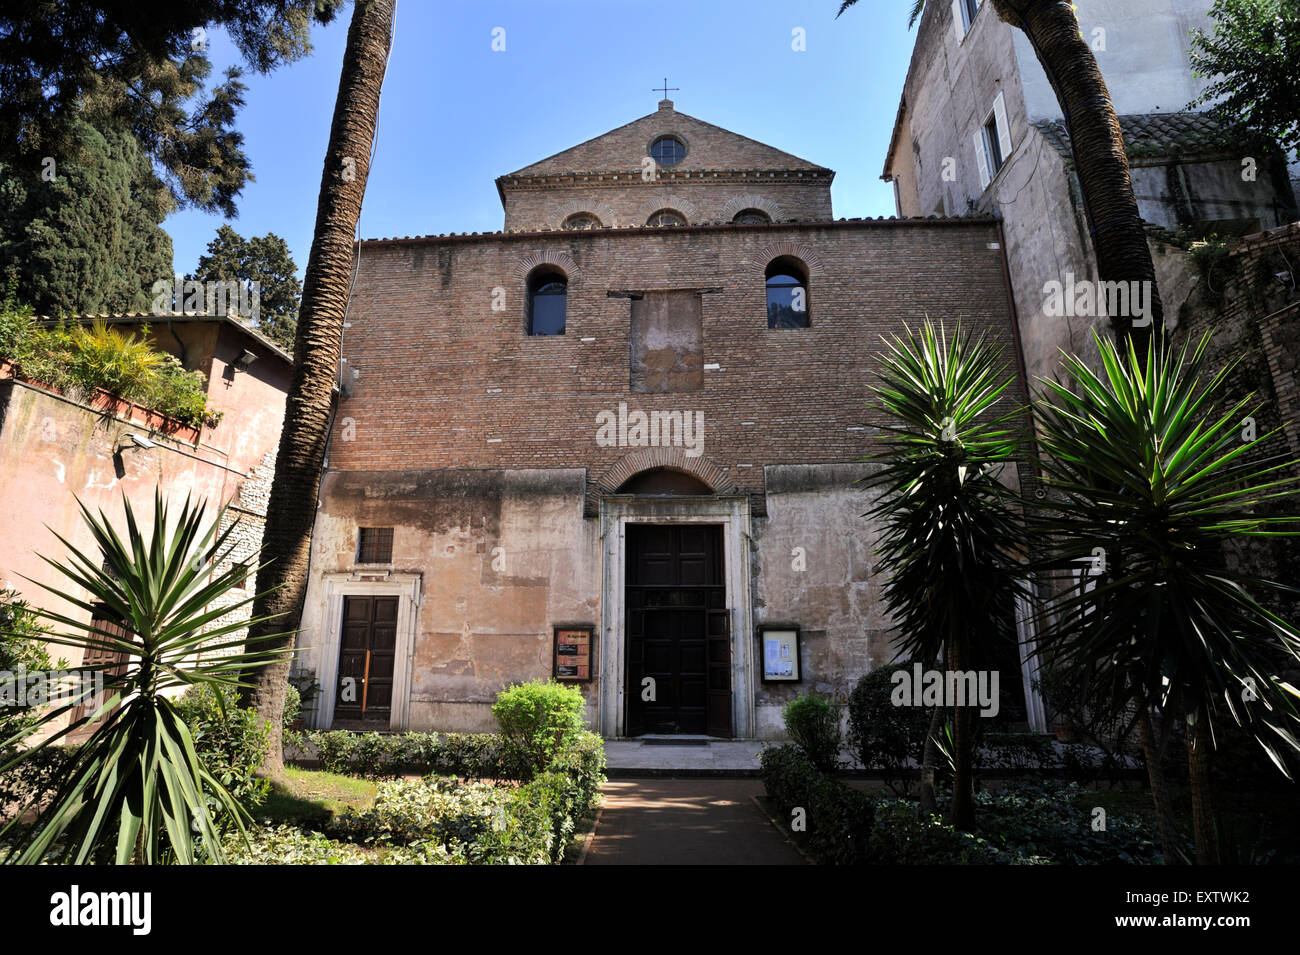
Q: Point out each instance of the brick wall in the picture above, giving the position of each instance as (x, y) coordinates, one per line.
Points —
(444, 381)
(721, 174)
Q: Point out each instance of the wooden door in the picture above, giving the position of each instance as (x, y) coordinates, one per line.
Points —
(678, 645)
(113, 663)
(367, 655)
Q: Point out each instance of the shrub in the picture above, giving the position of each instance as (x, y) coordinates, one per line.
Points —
(901, 837)
(21, 646)
(376, 756)
(838, 817)
(814, 725)
(788, 776)
(884, 736)
(231, 740)
(485, 823)
(80, 359)
(292, 705)
(583, 763)
(289, 845)
(539, 720)
(33, 781)
(1022, 752)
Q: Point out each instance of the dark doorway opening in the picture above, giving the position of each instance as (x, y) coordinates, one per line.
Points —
(367, 652)
(678, 638)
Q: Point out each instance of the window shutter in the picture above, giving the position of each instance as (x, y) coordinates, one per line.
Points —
(1004, 128)
(981, 157)
(958, 23)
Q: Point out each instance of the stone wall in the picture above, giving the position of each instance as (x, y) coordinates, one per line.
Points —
(1254, 317)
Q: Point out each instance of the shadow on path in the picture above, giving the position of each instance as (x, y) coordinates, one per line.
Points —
(697, 821)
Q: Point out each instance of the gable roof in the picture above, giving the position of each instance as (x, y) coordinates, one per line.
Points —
(176, 318)
(1154, 134)
(707, 147)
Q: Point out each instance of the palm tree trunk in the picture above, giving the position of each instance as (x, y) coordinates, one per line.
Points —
(291, 510)
(1100, 161)
(963, 788)
(1156, 778)
(1198, 773)
(929, 761)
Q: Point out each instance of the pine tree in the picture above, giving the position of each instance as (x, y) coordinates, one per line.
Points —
(266, 261)
(88, 238)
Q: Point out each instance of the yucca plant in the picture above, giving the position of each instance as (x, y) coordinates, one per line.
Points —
(136, 791)
(1150, 477)
(952, 538)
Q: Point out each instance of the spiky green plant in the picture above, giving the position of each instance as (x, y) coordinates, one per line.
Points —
(1151, 477)
(952, 538)
(136, 790)
(116, 361)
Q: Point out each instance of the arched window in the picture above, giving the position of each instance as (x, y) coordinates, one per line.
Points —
(752, 217)
(667, 217)
(548, 292)
(582, 220)
(668, 150)
(787, 293)
(664, 481)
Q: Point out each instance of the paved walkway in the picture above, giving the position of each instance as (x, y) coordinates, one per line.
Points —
(696, 821)
(713, 756)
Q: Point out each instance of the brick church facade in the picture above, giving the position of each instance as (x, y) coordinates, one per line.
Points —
(639, 410)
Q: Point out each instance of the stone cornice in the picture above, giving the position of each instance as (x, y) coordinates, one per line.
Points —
(633, 177)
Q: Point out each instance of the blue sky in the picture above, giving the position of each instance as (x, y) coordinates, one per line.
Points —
(455, 114)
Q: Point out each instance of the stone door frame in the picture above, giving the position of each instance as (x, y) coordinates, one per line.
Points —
(335, 587)
(732, 513)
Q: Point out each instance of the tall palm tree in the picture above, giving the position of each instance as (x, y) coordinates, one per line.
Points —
(951, 532)
(1118, 238)
(1151, 478)
(317, 344)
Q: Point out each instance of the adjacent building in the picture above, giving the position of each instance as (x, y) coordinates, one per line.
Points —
(979, 131)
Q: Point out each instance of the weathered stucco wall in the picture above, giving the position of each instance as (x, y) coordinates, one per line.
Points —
(813, 566)
(54, 451)
(503, 556)
(1144, 62)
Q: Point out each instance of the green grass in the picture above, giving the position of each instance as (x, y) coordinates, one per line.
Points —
(311, 798)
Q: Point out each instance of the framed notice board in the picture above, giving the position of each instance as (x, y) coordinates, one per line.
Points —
(779, 649)
(573, 654)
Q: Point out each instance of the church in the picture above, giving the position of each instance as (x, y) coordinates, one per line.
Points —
(616, 443)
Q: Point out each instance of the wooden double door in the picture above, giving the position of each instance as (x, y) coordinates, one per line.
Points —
(363, 698)
(678, 634)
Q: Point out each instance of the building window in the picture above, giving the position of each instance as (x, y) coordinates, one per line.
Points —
(963, 15)
(667, 217)
(668, 150)
(787, 293)
(993, 142)
(752, 217)
(375, 545)
(582, 220)
(548, 292)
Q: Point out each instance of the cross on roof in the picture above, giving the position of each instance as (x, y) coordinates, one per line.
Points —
(666, 88)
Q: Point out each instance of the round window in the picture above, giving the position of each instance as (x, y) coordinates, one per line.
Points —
(668, 150)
